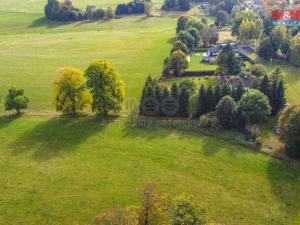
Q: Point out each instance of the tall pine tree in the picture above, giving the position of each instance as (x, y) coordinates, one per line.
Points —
(158, 95)
(201, 102)
(175, 91)
(238, 92)
(279, 97)
(225, 90)
(210, 100)
(265, 86)
(217, 95)
(184, 102)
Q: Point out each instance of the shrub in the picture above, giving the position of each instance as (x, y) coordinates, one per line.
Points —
(70, 91)
(100, 14)
(187, 212)
(209, 120)
(289, 124)
(16, 100)
(258, 70)
(107, 88)
(254, 106)
(190, 85)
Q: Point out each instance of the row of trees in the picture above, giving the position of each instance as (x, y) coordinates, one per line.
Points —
(100, 85)
(266, 98)
(160, 101)
(272, 87)
(156, 208)
(281, 44)
(191, 32)
(65, 11)
(206, 34)
(134, 7)
(180, 5)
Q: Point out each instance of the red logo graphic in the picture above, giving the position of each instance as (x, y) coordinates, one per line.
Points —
(286, 15)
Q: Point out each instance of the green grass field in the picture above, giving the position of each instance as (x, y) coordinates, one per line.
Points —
(58, 171)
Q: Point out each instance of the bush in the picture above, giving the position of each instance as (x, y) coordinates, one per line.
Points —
(100, 14)
(209, 120)
(258, 70)
(187, 212)
(190, 85)
(289, 124)
(16, 100)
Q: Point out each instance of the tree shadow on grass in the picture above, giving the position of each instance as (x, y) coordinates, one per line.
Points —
(57, 136)
(7, 119)
(285, 180)
(44, 22)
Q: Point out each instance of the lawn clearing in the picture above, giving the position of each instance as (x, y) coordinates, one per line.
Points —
(31, 60)
(196, 63)
(66, 171)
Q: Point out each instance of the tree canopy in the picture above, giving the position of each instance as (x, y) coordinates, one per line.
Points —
(71, 94)
(106, 86)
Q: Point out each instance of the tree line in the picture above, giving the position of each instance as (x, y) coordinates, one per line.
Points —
(265, 98)
(65, 11)
(191, 34)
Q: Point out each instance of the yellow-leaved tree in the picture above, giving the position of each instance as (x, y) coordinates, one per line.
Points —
(71, 94)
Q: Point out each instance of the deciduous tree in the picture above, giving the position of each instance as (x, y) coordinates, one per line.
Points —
(178, 62)
(71, 94)
(254, 106)
(107, 88)
(16, 100)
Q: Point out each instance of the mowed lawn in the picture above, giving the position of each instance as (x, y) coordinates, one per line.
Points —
(66, 171)
(58, 171)
(30, 60)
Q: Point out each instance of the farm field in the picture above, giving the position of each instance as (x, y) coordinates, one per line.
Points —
(59, 171)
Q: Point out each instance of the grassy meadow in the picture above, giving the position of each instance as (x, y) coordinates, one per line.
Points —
(60, 171)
